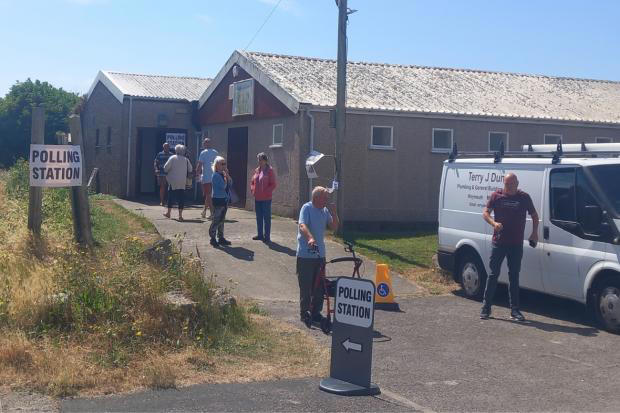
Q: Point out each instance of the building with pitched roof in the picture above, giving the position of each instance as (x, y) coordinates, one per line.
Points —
(127, 118)
(401, 123)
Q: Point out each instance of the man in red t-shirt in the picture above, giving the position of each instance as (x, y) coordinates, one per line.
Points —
(509, 207)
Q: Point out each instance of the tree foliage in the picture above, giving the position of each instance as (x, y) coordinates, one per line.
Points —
(16, 116)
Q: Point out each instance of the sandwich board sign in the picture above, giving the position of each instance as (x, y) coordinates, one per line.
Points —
(55, 165)
(351, 355)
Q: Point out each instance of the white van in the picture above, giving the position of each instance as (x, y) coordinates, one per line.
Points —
(576, 192)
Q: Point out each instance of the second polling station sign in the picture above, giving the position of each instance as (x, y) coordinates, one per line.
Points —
(55, 165)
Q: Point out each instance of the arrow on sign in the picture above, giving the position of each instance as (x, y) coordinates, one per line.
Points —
(349, 345)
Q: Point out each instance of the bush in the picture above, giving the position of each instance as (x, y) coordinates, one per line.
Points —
(18, 180)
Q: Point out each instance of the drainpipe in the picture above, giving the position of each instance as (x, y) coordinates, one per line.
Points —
(129, 143)
(311, 145)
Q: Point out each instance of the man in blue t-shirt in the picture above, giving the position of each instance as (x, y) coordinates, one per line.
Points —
(314, 218)
(158, 164)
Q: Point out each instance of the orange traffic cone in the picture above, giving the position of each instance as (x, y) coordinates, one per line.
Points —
(384, 294)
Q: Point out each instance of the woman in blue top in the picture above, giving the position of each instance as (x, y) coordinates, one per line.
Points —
(220, 197)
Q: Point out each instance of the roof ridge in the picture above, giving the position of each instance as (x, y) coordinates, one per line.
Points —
(166, 76)
(529, 75)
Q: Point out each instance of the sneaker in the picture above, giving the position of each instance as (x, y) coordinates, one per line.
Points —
(485, 313)
(515, 315)
(223, 241)
(203, 214)
(257, 238)
(214, 242)
(267, 240)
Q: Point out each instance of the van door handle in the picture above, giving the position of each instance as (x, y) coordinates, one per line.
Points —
(546, 232)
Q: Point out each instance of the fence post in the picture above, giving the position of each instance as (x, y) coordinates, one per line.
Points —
(36, 193)
(79, 195)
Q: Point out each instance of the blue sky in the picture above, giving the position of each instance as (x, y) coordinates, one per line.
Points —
(66, 42)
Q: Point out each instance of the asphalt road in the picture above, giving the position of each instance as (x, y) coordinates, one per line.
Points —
(434, 355)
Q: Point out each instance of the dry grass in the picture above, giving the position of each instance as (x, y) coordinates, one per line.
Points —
(75, 322)
(431, 281)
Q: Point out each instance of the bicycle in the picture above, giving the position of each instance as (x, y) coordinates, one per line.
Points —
(328, 285)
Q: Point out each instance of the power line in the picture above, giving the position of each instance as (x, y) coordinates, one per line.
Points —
(263, 25)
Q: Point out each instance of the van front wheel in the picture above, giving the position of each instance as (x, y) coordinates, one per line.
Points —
(472, 276)
(608, 305)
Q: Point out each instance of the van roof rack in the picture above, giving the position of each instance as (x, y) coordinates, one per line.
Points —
(553, 151)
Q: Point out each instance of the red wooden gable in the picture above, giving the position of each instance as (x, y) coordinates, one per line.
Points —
(218, 108)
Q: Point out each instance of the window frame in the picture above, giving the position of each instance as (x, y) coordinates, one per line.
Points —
(507, 140)
(275, 144)
(442, 150)
(551, 134)
(372, 129)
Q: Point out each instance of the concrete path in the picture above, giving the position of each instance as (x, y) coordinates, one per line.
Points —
(262, 272)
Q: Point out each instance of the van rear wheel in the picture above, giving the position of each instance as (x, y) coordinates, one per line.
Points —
(472, 276)
(608, 305)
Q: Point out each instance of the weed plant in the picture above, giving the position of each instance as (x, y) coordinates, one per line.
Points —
(74, 319)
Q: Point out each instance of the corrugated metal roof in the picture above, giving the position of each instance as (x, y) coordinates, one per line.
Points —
(159, 87)
(373, 86)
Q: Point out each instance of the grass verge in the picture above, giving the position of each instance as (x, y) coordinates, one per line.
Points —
(409, 253)
(76, 321)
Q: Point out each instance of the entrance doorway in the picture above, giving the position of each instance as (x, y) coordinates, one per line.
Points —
(238, 161)
(149, 144)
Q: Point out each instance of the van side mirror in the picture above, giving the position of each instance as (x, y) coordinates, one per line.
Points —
(592, 219)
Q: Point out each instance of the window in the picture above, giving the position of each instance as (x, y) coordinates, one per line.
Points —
(381, 137)
(552, 139)
(601, 139)
(278, 134)
(442, 140)
(243, 98)
(96, 140)
(573, 207)
(563, 195)
(495, 140)
(109, 140)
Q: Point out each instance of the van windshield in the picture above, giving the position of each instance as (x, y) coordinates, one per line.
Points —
(608, 177)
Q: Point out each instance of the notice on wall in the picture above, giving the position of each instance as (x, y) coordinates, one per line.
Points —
(174, 139)
(55, 165)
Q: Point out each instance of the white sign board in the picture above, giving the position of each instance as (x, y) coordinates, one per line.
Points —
(243, 98)
(174, 139)
(55, 165)
(355, 302)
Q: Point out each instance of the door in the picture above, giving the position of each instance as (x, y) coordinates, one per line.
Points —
(238, 161)
(570, 247)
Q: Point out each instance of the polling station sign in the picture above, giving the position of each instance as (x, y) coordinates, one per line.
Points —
(55, 165)
(355, 302)
(174, 139)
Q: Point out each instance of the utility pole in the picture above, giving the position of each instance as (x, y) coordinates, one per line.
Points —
(341, 96)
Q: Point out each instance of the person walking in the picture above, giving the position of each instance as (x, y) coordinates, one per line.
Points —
(177, 168)
(262, 185)
(204, 170)
(222, 182)
(314, 218)
(159, 162)
(509, 206)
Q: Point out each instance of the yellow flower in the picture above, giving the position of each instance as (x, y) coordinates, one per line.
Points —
(139, 333)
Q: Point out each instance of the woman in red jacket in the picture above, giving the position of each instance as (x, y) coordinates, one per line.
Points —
(262, 186)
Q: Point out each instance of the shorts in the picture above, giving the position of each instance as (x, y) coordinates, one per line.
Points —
(161, 180)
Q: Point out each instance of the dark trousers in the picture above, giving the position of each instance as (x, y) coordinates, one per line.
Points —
(177, 195)
(310, 299)
(513, 253)
(217, 225)
(263, 218)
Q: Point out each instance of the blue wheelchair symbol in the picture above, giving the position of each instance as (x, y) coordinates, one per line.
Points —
(383, 290)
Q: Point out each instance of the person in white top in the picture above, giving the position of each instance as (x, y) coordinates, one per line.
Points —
(177, 168)
(204, 170)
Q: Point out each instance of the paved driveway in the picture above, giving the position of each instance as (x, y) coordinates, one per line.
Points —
(434, 355)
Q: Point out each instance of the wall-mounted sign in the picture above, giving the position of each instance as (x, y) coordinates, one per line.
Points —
(55, 165)
(243, 98)
(174, 139)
